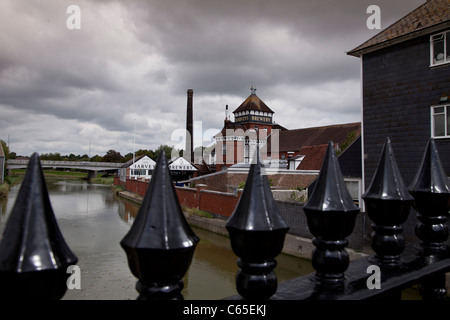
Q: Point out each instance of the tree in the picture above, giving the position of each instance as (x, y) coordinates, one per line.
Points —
(167, 149)
(51, 156)
(5, 149)
(96, 158)
(112, 156)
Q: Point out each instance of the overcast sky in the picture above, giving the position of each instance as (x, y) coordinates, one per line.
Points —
(131, 63)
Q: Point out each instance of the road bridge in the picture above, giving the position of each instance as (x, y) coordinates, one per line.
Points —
(84, 165)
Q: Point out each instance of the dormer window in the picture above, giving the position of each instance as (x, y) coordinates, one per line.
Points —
(440, 48)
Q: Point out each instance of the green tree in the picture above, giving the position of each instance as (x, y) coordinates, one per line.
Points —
(127, 157)
(5, 149)
(167, 149)
(97, 158)
(112, 156)
(51, 156)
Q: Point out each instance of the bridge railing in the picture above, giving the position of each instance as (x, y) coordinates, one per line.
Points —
(160, 244)
(54, 163)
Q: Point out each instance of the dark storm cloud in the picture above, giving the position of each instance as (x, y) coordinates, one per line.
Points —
(132, 62)
(216, 44)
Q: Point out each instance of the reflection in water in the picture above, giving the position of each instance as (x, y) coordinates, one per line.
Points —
(93, 221)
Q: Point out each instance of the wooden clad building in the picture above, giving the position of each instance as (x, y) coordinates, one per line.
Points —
(406, 88)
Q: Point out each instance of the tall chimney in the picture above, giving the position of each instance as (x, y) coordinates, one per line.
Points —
(190, 127)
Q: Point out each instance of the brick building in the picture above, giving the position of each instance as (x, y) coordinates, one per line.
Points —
(298, 149)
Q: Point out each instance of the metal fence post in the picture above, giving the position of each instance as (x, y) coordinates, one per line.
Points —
(160, 244)
(34, 256)
(388, 203)
(432, 193)
(257, 234)
(331, 216)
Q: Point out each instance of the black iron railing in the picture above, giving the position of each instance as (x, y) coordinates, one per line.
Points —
(160, 244)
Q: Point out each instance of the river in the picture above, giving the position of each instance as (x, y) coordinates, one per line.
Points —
(93, 221)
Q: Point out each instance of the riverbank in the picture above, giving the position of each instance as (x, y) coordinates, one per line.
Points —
(18, 174)
(9, 182)
(293, 245)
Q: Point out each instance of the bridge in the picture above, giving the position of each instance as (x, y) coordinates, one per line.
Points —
(84, 165)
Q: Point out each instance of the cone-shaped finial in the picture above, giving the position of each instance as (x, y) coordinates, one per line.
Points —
(431, 199)
(257, 234)
(431, 176)
(32, 241)
(257, 208)
(160, 244)
(331, 215)
(388, 204)
(160, 223)
(331, 193)
(387, 182)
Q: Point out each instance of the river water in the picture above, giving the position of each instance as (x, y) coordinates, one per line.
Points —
(93, 221)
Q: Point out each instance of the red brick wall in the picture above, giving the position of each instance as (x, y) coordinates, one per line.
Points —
(137, 186)
(218, 202)
(187, 197)
(225, 181)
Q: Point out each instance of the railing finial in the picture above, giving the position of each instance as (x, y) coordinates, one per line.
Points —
(331, 215)
(388, 203)
(34, 256)
(160, 244)
(431, 192)
(432, 197)
(257, 234)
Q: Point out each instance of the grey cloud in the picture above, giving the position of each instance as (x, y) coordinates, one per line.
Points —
(136, 59)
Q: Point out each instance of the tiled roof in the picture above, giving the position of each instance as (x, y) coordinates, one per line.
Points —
(313, 157)
(229, 125)
(294, 140)
(430, 14)
(253, 102)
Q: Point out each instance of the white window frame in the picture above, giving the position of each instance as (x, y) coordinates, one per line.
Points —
(359, 184)
(446, 125)
(446, 60)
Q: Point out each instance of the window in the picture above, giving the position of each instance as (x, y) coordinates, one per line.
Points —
(440, 121)
(138, 172)
(224, 149)
(354, 188)
(440, 48)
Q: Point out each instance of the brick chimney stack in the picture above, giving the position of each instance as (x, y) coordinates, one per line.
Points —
(189, 153)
